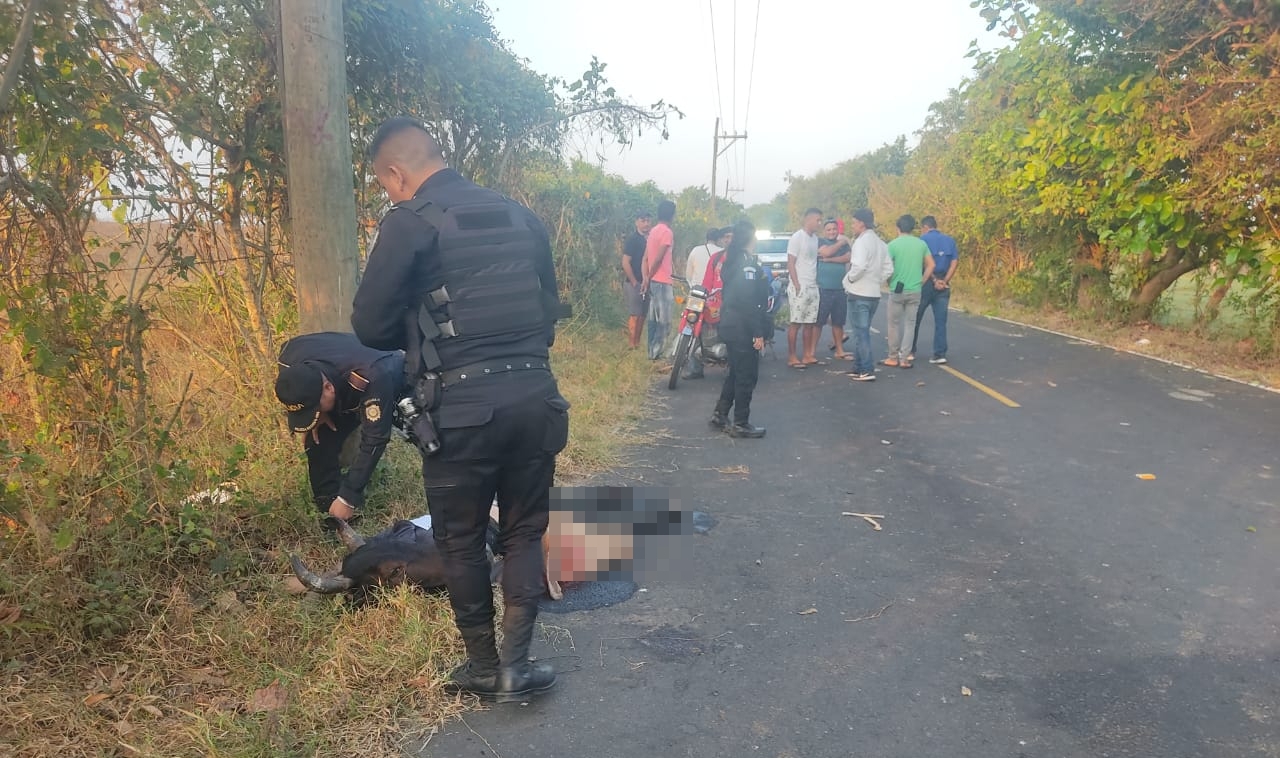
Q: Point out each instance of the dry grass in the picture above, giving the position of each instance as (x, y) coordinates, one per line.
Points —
(1235, 357)
(227, 663)
(607, 385)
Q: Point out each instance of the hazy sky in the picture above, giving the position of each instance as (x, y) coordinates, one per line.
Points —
(832, 78)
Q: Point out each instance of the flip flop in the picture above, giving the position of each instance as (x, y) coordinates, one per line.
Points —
(891, 363)
(815, 363)
(847, 357)
(797, 365)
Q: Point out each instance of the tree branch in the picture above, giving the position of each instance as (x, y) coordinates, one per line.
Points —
(638, 112)
(18, 55)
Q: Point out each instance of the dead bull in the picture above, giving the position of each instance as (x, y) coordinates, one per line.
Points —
(404, 553)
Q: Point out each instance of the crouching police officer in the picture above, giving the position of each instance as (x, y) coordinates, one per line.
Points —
(331, 385)
(744, 324)
(462, 278)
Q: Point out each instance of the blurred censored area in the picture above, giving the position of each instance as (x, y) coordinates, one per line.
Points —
(601, 534)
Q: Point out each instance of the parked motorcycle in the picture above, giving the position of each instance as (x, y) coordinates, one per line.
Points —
(697, 336)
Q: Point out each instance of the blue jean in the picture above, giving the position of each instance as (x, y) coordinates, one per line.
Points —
(861, 310)
(661, 302)
(939, 301)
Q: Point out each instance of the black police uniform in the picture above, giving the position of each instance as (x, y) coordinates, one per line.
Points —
(470, 274)
(367, 385)
(743, 318)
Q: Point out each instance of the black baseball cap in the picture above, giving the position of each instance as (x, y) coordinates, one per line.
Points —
(299, 388)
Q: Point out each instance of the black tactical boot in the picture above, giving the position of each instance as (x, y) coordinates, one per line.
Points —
(719, 421)
(518, 677)
(479, 675)
(746, 431)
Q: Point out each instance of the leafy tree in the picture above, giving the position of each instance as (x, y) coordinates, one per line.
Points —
(842, 189)
(771, 216)
(1145, 132)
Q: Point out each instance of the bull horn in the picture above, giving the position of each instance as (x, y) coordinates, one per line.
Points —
(325, 585)
(350, 537)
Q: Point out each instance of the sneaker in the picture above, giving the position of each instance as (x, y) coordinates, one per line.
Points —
(746, 431)
(866, 376)
(938, 359)
(718, 422)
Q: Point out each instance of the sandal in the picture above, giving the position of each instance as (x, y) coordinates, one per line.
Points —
(890, 362)
(905, 365)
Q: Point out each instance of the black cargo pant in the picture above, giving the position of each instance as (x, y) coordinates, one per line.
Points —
(324, 458)
(499, 436)
(740, 382)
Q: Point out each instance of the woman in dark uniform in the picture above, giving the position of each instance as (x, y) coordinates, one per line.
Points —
(744, 324)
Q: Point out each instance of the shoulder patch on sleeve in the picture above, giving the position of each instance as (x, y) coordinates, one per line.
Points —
(372, 410)
(357, 382)
(749, 273)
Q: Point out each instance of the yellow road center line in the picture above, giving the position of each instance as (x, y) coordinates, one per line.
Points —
(980, 386)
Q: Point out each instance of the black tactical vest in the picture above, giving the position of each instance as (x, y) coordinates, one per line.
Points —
(486, 302)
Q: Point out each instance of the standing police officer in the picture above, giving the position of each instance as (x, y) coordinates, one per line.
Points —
(331, 385)
(744, 324)
(462, 278)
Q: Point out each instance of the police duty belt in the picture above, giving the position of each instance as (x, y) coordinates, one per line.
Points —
(489, 368)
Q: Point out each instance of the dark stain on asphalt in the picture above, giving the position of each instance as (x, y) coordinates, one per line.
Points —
(588, 596)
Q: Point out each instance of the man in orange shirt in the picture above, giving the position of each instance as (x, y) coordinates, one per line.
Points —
(657, 278)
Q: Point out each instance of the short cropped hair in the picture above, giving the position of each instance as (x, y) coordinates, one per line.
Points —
(394, 127)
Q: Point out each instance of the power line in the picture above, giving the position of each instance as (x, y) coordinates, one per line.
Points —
(751, 77)
(715, 57)
(735, 64)
(751, 80)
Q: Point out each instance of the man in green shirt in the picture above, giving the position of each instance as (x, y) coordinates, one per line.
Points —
(912, 264)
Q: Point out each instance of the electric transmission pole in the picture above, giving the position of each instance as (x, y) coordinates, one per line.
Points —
(317, 140)
(716, 152)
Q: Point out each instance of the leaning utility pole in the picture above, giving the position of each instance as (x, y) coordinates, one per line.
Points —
(716, 152)
(317, 141)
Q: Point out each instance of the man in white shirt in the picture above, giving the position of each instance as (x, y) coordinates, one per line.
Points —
(802, 268)
(695, 268)
(869, 268)
(696, 264)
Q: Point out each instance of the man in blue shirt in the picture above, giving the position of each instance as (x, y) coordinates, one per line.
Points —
(936, 293)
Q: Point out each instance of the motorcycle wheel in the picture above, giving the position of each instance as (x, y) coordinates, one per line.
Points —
(682, 356)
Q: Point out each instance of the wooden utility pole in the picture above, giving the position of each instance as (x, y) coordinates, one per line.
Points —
(716, 152)
(317, 141)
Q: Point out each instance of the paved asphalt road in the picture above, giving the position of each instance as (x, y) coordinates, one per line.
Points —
(1088, 612)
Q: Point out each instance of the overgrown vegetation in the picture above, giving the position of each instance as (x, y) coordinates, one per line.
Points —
(170, 632)
(138, 354)
(1116, 160)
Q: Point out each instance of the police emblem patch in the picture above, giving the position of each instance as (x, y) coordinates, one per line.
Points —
(372, 412)
(293, 407)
